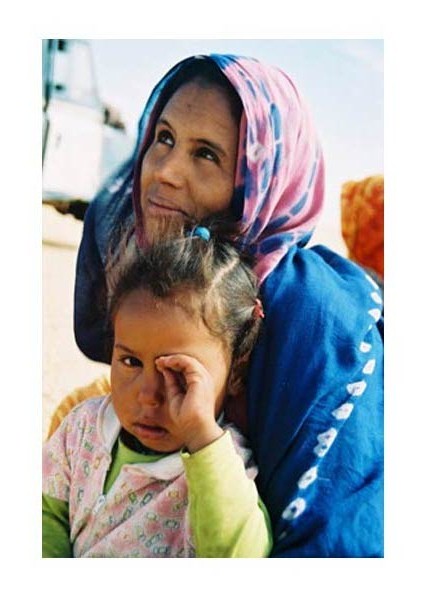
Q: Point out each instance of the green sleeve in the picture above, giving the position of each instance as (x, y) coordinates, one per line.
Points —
(227, 517)
(55, 528)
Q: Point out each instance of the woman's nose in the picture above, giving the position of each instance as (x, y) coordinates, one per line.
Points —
(171, 168)
(150, 389)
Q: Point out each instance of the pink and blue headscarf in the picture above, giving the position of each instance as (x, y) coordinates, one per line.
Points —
(280, 169)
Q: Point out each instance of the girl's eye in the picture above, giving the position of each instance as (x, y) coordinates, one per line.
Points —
(131, 361)
(164, 137)
(208, 154)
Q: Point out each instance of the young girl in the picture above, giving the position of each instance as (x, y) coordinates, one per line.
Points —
(153, 469)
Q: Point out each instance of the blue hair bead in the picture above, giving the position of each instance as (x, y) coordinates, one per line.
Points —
(201, 232)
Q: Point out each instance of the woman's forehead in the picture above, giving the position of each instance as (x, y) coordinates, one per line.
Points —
(201, 101)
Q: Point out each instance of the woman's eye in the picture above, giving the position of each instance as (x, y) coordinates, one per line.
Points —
(164, 137)
(208, 154)
(131, 361)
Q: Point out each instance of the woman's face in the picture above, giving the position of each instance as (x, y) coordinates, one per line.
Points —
(189, 169)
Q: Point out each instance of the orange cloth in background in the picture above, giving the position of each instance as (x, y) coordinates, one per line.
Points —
(362, 221)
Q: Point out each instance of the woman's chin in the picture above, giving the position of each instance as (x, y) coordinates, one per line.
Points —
(156, 225)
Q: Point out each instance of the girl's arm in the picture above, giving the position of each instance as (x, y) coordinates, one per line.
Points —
(55, 528)
(226, 514)
(55, 495)
(227, 517)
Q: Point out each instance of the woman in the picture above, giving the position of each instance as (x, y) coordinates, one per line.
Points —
(227, 135)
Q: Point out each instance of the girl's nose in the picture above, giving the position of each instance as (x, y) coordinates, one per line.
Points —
(150, 392)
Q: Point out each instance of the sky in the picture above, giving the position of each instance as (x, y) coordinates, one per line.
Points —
(341, 80)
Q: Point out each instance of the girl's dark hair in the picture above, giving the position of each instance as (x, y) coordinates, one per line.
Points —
(210, 280)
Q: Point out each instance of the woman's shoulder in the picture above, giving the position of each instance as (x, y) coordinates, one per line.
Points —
(308, 266)
(318, 286)
(108, 214)
(318, 271)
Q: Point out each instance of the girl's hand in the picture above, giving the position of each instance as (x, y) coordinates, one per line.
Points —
(190, 400)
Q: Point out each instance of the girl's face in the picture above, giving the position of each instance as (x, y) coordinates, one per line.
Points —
(189, 169)
(144, 330)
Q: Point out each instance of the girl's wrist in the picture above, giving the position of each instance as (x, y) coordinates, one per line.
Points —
(204, 437)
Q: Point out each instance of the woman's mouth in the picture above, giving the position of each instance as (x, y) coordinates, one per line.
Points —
(161, 207)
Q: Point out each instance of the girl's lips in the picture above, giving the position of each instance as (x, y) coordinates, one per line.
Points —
(149, 432)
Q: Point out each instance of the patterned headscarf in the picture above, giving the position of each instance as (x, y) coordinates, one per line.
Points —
(279, 180)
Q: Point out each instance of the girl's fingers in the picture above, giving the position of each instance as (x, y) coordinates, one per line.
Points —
(186, 379)
(172, 383)
(181, 363)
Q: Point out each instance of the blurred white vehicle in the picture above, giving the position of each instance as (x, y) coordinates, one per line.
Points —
(83, 139)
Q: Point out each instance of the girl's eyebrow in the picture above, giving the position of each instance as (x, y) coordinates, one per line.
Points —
(211, 144)
(124, 348)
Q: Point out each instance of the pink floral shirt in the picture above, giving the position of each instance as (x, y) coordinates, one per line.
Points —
(144, 513)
